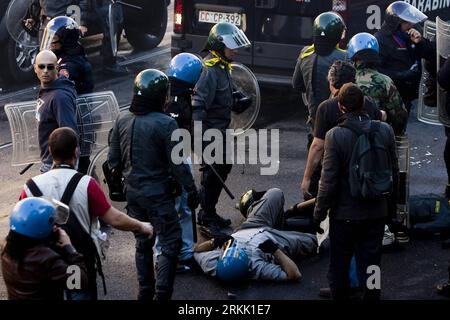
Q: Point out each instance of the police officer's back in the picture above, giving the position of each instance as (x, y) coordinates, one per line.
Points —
(310, 75)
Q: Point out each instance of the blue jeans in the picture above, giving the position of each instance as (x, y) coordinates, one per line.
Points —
(185, 215)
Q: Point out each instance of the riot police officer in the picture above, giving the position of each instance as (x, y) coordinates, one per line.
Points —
(311, 70)
(141, 146)
(401, 47)
(183, 72)
(363, 50)
(212, 103)
(62, 36)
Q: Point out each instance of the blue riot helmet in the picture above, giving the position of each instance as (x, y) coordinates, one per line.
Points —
(35, 217)
(406, 12)
(233, 265)
(362, 41)
(186, 67)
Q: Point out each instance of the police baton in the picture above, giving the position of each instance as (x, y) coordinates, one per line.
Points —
(305, 204)
(127, 4)
(26, 168)
(221, 181)
(194, 225)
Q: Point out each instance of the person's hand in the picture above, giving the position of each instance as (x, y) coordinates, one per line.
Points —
(220, 240)
(63, 238)
(147, 228)
(83, 30)
(415, 35)
(29, 23)
(193, 199)
(383, 115)
(268, 246)
(305, 188)
(316, 226)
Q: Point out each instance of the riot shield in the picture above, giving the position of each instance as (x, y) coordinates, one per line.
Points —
(443, 53)
(112, 13)
(96, 114)
(245, 81)
(95, 170)
(425, 113)
(14, 17)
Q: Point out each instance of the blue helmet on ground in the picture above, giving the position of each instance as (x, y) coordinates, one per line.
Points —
(186, 67)
(233, 265)
(362, 41)
(35, 217)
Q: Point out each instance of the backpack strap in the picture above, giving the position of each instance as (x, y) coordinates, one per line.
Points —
(34, 189)
(67, 196)
(70, 189)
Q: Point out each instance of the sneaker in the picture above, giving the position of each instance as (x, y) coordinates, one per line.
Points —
(444, 289)
(213, 220)
(388, 237)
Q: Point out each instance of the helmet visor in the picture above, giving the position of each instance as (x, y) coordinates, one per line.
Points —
(61, 212)
(236, 40)
(410, 14)
(48, 39)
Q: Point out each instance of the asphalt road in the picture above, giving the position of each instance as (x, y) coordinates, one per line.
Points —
(408, 273)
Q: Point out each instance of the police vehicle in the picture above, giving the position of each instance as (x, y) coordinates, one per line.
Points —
(144, 29)
(278, 29)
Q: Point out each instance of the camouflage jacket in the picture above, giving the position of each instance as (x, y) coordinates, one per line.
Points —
(386, 96)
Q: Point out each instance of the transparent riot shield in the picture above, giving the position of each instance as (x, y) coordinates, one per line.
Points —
(425, 113)
(14, 20)
(112, 13)
(403, 150)
(95, 170)
(96, 114)
(245, 81)
(443, 53)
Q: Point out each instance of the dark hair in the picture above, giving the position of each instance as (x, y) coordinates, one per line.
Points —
(351, 97)
(341, 72)
(63, 143)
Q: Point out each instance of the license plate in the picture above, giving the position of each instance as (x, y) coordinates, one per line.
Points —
(217, 17)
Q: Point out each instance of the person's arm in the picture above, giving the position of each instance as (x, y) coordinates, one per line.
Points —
(204, 93)
(397, 116)
(270, 271)
(58, 265)
(297, 77)
(100, 207)
(181, 172)
(329, 177)
(65, 111)
(114, 153)
(121, 221)
(314, 156)
(204, 246)
(288, 266)
(444, 75)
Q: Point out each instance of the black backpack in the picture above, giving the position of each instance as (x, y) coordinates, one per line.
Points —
(370, 167)
(81, 240)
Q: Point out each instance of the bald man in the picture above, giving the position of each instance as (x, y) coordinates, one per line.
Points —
(56, 105)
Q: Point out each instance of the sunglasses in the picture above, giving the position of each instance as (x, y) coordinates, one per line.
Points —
(50, 67)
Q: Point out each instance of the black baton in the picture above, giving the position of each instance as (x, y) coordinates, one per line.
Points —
(26, 168)
(221, 181)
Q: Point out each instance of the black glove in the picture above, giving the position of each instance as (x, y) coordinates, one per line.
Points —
(268, 246)
(240, 102)
(193, 199)
(316, 226)
(220, 240)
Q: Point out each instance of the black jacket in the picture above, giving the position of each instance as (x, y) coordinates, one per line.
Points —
(56, 107)
(334, 190)
(74, 65)
(401, 62)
